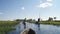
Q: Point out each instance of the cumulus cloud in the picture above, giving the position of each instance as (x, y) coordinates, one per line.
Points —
(49, 0)
(45, 5)
(22, 8)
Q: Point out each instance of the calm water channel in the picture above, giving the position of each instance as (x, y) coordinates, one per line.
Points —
(43, 29)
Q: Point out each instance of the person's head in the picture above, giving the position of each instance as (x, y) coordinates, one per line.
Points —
(28, 31)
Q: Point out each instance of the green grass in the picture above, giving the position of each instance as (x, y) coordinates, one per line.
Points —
(8, 23)
(48, 22)
(6, 26)
(51, 22)
(4, 30)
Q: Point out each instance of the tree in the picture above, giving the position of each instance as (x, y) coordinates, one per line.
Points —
(55, 18)
(50, 19)
(17, 19)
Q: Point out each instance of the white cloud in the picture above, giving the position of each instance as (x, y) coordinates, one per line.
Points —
(45, 5)
(49, 0)
(22, 8)
(1, 13)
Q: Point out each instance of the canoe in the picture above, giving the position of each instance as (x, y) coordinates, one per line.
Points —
(28, 31)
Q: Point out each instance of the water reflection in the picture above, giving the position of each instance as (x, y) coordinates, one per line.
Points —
(43, 29)
(24, 23)
(38, 26)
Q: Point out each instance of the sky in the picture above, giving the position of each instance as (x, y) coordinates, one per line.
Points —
(20, 9)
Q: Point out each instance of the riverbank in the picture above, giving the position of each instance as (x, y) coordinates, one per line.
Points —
(6, 26)
(5, 30)
(51, 22)
(8, 23)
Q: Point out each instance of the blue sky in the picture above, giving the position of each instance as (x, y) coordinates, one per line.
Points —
(20, 9)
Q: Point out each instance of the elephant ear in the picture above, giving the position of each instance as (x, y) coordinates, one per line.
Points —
(28, 31)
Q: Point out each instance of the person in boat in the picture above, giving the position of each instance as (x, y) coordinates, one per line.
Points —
(38, 23)
(24, 23)
(28, 31)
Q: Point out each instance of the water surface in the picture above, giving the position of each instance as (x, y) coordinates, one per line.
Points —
(43, 29)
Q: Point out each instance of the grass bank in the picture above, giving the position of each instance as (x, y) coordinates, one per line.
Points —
(6, 26)
(5, 30)
(48, 22)
(51, 22)
(8, 23)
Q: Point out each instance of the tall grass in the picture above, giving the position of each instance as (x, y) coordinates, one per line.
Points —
(51, 22)
(8, 23)
(6, 26)
(5, 30)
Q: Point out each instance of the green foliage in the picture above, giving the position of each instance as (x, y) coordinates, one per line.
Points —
(8, 23)
(50, 19)
(4, 30)
(51, 22)
(6, 26)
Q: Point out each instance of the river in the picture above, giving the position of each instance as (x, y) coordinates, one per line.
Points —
(43, 29)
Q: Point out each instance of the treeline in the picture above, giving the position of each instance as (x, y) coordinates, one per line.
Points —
(33, 20)
(27, 20)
